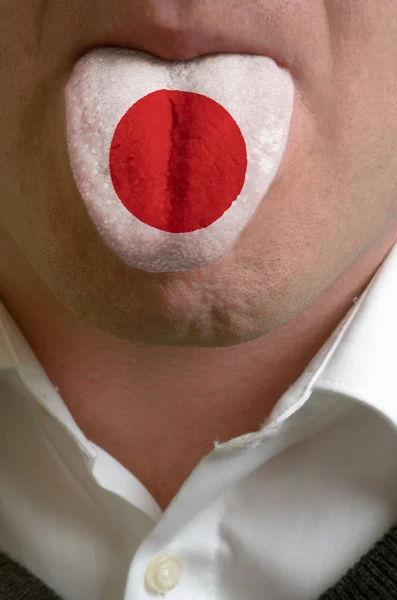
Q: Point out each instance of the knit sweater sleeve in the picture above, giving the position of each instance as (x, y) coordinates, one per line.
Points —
(373, 577)
(17, 583)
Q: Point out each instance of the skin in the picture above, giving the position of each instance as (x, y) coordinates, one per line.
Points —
(155, 367)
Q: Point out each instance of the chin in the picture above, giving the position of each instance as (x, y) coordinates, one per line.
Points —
(182, 310)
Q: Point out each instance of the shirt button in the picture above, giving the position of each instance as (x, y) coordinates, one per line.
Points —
(163, 573)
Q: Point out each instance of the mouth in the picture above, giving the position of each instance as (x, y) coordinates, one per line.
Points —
(176, 46)
(164, 94)
(172, 33)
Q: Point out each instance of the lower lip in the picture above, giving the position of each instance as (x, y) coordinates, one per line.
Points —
(173, 192)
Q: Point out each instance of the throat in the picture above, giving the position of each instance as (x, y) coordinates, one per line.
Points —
(163, 454)
(161, 465)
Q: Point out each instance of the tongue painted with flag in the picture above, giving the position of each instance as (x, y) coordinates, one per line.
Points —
(172, 159)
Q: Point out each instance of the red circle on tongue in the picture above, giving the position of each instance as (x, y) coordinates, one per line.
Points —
(177, 160)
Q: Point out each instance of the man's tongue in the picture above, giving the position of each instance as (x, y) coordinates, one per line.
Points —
(172, 159)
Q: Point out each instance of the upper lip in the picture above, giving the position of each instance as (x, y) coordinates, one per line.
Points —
(197, 34)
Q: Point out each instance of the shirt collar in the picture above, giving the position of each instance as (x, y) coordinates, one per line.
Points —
(364, 364)
(357, 361)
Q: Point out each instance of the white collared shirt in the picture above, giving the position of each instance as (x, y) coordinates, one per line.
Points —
(277, 514)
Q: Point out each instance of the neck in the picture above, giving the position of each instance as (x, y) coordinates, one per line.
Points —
(129, 398)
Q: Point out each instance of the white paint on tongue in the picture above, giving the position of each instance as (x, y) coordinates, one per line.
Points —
(104, 85)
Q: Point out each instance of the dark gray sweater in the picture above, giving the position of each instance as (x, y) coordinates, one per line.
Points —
(373, 577)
